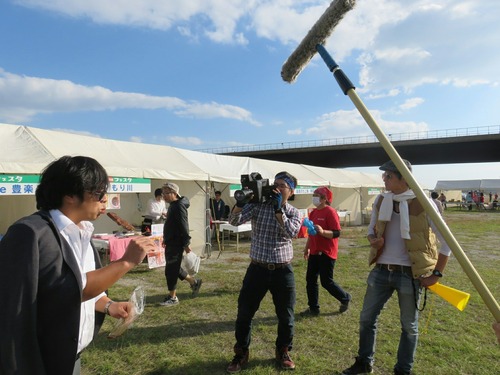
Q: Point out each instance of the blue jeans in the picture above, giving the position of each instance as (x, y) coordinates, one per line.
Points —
(381, 285)
(281, 283)
(321, 265)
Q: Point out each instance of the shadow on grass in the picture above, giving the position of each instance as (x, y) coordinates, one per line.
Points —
(154, 300)
(175, 330)
(217, 367)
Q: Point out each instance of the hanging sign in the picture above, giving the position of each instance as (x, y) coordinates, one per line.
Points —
(12, 184)
(26, 184)
(129, 185)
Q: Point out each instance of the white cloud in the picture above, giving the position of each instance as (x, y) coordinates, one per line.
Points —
(351, 122)
(411, 103)
(193, 141)
(22, 98)
(215, 110)
(216, 19)
(431, 44)
(398, 45)
(294, 131)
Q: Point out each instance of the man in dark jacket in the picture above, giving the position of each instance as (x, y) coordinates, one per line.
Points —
(51, 283)
(176, 239)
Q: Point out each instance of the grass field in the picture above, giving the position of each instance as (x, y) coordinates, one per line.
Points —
(197, 336)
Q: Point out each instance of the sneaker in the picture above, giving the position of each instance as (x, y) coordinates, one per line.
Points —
(196, 286)
(170, 301)
(284, 360)
(310, 312)
(359, 367)
(240, 359)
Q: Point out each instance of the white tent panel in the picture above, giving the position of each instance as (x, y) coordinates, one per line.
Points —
(490, 185)
(124, 159)
(21, 152)
(269, 169)
(463, 185)
(219, 168)
(27, 150)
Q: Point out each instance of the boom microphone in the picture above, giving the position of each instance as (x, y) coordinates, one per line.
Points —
(318, 34)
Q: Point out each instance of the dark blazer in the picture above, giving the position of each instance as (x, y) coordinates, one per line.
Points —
(40, 299)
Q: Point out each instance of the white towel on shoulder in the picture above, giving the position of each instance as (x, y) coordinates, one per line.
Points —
(386, 210)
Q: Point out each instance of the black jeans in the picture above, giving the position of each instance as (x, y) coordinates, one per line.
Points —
(322, 266)
(258, 280)
(173, 269)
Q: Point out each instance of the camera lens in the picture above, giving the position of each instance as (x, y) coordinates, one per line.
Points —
(242, 195)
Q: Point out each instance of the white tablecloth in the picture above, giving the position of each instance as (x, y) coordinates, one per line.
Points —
(345, 215)
(247, 227)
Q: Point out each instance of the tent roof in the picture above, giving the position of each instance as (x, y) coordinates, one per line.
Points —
(27, 150)
(487, 184)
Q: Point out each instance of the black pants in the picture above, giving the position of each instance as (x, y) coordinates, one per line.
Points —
(257, 282)
(173, 269)
(322, 266)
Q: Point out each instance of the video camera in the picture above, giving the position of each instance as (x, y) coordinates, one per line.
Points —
(254, 189)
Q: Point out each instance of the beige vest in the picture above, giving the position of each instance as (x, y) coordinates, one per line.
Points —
(422, 245)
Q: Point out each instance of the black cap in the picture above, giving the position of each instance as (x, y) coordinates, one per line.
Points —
(389, 166)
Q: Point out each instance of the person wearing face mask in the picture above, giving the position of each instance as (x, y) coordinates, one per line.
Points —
(321, 253)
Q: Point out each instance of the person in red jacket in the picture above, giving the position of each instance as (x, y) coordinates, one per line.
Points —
(321, 253)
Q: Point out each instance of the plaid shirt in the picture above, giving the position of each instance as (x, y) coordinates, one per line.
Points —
(271, 242)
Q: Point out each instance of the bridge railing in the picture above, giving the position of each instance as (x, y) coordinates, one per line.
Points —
(410, 136)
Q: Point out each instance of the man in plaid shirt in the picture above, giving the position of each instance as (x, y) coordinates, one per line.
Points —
(274, 224)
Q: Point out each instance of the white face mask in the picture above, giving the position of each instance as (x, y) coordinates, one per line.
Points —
(316, 201)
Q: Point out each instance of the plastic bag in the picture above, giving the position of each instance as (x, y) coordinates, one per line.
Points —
(191, 263)
(137, 301)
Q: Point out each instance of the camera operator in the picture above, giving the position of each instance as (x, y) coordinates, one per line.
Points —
(274, 224)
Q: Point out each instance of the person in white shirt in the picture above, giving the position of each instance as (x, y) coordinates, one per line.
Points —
(406, 258)
(157, 211)
(52, 287)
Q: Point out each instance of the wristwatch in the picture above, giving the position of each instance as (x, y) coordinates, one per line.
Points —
(106, 307)
(437, 273)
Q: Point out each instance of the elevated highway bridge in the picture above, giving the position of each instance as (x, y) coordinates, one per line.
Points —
(466, 145)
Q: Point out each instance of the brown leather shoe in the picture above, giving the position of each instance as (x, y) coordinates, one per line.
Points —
(284, 360)
(240, 359)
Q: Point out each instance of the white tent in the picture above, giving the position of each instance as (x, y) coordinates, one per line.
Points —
(485, 185)
(27, 150)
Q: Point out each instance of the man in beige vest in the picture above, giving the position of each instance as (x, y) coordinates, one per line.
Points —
(406, 259)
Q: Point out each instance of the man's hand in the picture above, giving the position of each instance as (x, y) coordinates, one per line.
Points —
(376, 243)
(428, 281)
(120, 309)
(187, 249)
(137, 249)
(277, 200)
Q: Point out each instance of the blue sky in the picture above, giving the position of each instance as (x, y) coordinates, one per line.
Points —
(204, 74)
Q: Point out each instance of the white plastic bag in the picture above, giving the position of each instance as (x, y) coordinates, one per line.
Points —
(191, 263)
(137, 302)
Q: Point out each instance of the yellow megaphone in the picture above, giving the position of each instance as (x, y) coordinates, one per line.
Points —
(454, 296)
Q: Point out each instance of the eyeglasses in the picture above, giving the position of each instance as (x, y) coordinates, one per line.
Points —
(167, 192)
(387, 176)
